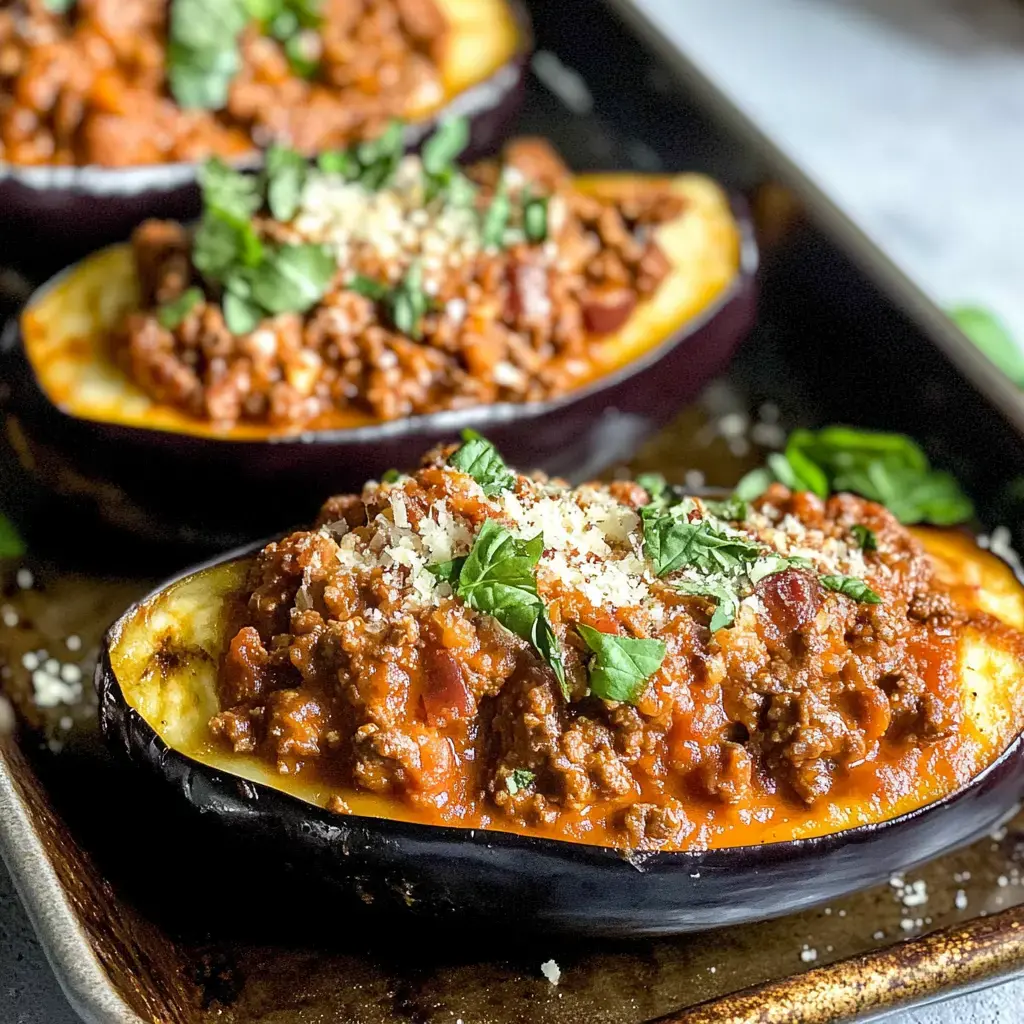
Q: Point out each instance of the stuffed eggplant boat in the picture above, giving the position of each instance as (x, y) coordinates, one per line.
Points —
(321, 323)
(615, 708)
(106, 107)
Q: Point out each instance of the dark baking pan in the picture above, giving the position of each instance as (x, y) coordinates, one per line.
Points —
(146, 919)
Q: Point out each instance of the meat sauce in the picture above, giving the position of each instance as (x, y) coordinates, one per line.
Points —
(90, 86)
(360, 674)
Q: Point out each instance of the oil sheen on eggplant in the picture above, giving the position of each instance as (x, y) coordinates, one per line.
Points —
(66, 212)
(157, 684)
(132, 457)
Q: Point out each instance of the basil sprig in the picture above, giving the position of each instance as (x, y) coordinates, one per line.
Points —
(887, 468)
(866, 538)
(620, 666)
(498, 578)
(482, 461)
(258, 279)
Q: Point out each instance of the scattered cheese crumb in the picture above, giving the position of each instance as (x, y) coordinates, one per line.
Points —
(808, 955)
(551, 971)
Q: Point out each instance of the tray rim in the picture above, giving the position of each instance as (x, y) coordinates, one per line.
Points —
(70, 954)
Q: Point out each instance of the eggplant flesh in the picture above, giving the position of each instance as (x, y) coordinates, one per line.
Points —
(61, 213)
(157, 681)
(85, 430)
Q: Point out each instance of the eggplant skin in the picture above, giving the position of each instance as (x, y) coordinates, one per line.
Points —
(150, 472)
(469, 877)
(61, 214)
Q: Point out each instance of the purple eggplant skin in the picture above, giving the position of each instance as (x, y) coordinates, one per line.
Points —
(209, 494)
(466, 877)
(60, 214)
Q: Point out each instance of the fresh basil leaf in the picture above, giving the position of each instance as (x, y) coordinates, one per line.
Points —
(769, 565)
(655, 485)
(459, 190)
(59, 6)
(172, 314)
(11, 544)
(202, 51)
(866, 538)
(492, 230)
(366, 286)
(851, 587)
(443, 147)
(498, 578)
(481, 460)
(379, 158)
(519, 778)
(732, 510)
(263, 11)
(725, 597)
(292, 278)
(390, 476)
(990, 334)
(340, 161)
(671, 543)
(285, 173)
(754, 484)
(241, 315)
(221, 244)
(448, 572)
(621, 665)
(228, 191)
(545, 643)
(535, 220)
(798, 473)
(303, 53)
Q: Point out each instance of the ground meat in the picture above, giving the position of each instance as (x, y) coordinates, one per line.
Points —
(508, 325)
(340, 665)
(90, 86)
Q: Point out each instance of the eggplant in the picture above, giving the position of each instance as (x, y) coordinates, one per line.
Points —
(156, 680)
(62, 213)
(82, 428)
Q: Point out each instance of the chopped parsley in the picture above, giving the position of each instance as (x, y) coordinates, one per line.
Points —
(405, 305)
(517, 779)
(535, 220)
(371, 163)
(887, 468)
(673, 543)
(202, 51)
(620, 666)
(285, 174)
(866, 538)
(174, 313)
(495, 221)
(481, 460)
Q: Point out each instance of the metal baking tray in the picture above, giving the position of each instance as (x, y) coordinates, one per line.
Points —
(129, 898)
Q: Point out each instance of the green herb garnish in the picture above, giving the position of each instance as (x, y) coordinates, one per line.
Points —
(482, 461)
(672, 543)
(405, 304)
(11, 544)
(517, 779)
(725, 595)
(442, 149)
(202, 51)
(990, 334)
(535, 220)
(59, 6)
(851, 586)
(497, 578)
(621, 665)
(866, 538)
(448, 572)
(174, 313)
(888, 468)
(492, 230)
(285, 174)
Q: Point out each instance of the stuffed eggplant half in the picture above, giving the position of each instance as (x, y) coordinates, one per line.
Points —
(321, 324)
(614, 709)
(107, 107)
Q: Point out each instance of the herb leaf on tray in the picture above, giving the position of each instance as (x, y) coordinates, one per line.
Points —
(887, 468)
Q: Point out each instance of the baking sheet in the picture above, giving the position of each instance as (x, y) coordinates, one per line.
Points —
(106, 866)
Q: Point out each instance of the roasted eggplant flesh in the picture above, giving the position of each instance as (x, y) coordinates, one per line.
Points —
(465, 649)
(100, 349)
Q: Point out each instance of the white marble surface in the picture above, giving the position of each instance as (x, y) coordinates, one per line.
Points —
(908, 113)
